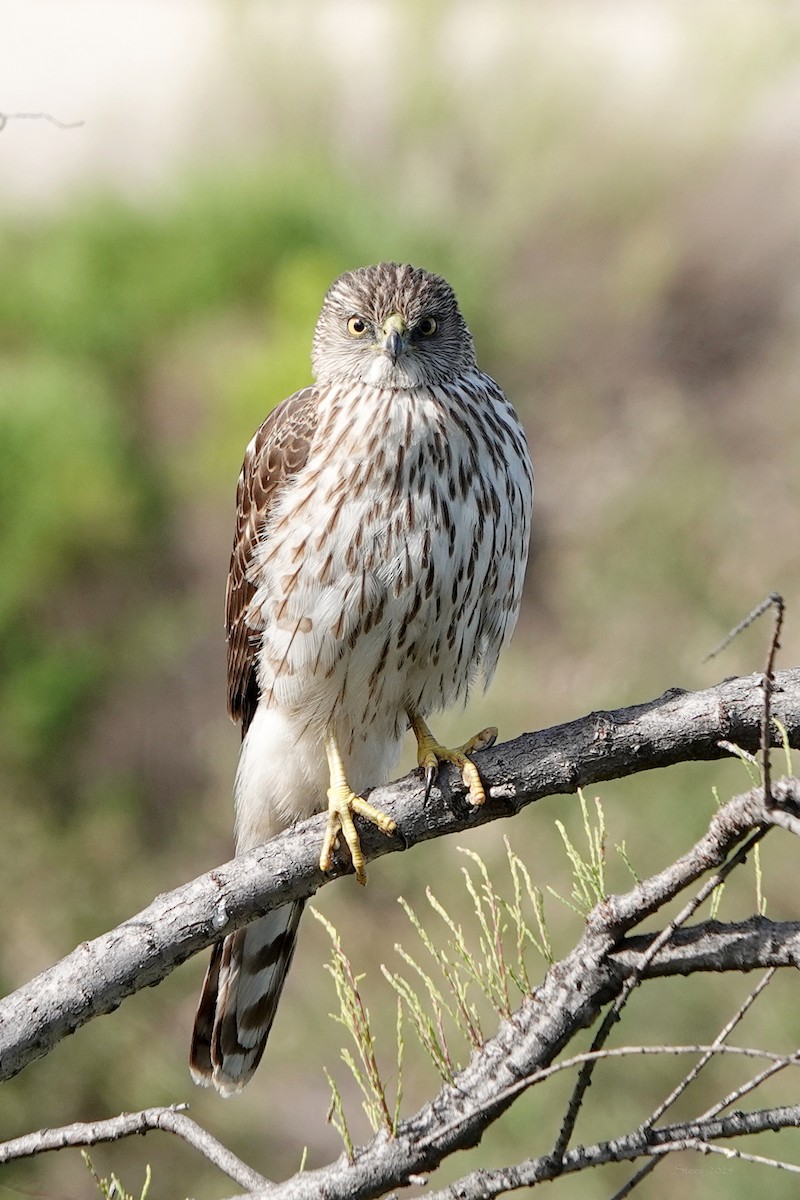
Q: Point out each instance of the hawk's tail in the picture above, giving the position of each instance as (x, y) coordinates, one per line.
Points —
(240, 995)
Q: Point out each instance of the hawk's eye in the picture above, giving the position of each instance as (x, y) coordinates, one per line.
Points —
(427, 327)
(356, 327)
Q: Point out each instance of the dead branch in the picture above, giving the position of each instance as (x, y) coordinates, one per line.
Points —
(172, 1120)
(572, 995)
(38, 116)
(692, 1135)
(570, 998)
(677, 727)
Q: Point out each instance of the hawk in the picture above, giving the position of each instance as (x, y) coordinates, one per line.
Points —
(382, 528)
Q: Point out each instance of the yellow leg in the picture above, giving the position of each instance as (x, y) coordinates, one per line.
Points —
(430, 753)
(342, 803)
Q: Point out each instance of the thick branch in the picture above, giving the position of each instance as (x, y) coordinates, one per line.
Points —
(677, 727)
(715, 946)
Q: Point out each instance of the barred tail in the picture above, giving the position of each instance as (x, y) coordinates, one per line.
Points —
(240, 995)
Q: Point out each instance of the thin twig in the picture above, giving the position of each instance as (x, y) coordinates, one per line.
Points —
(637, 1178)
(172, 1119)
(767, 602)
(774, 599)
(769, 685)
(777, 1062)
(717, 1045)
(750, 1086)
(691, 1135)
(690, 1077)
(40, 116)
(633, 980)
(732, 748)
(729, 1152)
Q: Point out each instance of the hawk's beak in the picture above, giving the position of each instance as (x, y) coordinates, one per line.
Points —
(394, 336)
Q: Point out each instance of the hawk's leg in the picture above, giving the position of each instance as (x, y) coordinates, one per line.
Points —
(430, 753)
(342, 803)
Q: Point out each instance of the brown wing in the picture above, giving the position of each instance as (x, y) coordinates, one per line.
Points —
(276, 453)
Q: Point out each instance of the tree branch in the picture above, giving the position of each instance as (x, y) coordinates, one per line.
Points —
(715, 946)
(677, 727)
(570, 998)
(171, 1119)
(690, 1135)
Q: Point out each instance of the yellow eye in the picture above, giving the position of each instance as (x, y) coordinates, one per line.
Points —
(356, 327)
(427, 327)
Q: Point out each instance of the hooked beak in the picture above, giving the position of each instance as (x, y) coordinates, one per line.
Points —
(394, 336)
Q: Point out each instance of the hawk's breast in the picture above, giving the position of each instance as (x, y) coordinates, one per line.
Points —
(391, 569)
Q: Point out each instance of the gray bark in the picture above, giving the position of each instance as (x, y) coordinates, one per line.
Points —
(677, 727)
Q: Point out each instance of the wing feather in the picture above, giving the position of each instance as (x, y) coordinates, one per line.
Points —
(276, 453)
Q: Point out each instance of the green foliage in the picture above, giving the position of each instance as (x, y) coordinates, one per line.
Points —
(588, 872)
(353, 1016)
(483, 966)
(69, 506)
(111, 1188)
(540, 940)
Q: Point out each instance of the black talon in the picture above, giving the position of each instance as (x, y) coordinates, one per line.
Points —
(430, 776)
(398, 833)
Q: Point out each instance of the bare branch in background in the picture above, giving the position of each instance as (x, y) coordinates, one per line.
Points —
(40, 116)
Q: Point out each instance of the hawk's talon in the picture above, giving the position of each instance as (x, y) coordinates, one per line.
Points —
(431, 753)
(431, 772)
(329, 842)
(342, 804)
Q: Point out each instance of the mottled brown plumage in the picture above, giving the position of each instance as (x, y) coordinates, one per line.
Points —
(276, 453)
(381, 539)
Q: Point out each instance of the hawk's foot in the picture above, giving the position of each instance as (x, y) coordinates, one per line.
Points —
(431, 753)
(342, 804)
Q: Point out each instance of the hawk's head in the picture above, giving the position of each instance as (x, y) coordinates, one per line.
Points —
(391, 326)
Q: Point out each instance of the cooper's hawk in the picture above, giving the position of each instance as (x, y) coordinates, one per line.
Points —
(382, 528)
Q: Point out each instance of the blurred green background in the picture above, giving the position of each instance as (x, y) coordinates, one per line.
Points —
(614, 191)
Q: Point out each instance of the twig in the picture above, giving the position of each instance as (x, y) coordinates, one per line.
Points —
(172, 1120)
(691, 1135)
(767, 602)
(40, 116)
(769, 684)
(718, 1044)
(611, 1018)
(637, 1178)
(729, 1152)
(732, 748)
(690, 1077)
(774, 599)
(777, 1062)
(750, 1086)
